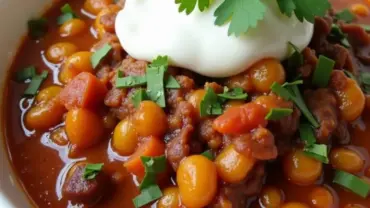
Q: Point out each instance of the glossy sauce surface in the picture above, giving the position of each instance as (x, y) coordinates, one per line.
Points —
(40, 164)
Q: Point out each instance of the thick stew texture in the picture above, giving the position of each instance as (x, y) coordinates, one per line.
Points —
(86, 125)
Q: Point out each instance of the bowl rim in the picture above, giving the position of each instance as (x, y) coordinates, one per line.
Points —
(7, 200)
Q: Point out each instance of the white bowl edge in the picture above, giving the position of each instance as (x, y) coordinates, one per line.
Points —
(14, 15)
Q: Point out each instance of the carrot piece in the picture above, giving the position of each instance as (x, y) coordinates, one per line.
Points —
(360, 10)
(84, 91)
(84, 127)
(241, 119)
(151, 146)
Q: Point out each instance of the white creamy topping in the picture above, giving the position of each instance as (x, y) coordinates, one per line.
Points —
(148, 28)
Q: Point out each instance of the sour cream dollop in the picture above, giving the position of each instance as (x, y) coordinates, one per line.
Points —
(148, 28)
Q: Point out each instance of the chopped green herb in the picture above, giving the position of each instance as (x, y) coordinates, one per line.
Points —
(139, 96)
(365, 81)
(345, 15)
(37, 28)
(298, 100)
(208, 154)
(35, 84)
(171, 83)
(337, 35)
(366, 27)
(235, 94)
(189, 5)
(66, 8)
(317, 151)
(304, 9)
(155, 80)
(278, 113)
(130, 81)
(291, 92)
(147, 195)
(67, 14)
(280, 91)
(26, 73)
(306, 133)
(160, 61)
(92, 170)
(244, 14)
(296, 59)
(99, 55)
(352, 182)
(153, 166)
(297, 82)
(64, 18)
(155, 85)
(321, 75)
(210, 105)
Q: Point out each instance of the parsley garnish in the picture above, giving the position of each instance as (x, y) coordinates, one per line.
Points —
(155, 84)
(352, 182)
(189, 5)
(26, 73)
(99, 55)
(208, 154)
(337, 35)
(35, 84)
(171, 83)
(304, 9)
(296, 59)
(345, 15)
(139, 96)
(129, 81)
(235, 94)
(365, 81)
(92, 170)
(149, 189)
(147, 195)
(210, 104)
(278, 113)
(67, 14)
(37, 28)
(318, 152)
(291, 92)
(321, 75)
(244, 14)
(306, 133)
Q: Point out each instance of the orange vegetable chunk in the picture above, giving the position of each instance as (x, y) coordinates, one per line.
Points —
(151, 147)
(84, 91)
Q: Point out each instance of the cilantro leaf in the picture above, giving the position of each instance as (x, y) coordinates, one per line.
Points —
(235, 94)
(92, 170)
(304, 9)
(308, 9)
(160, 61)
(346, 15)
(287, 7)
(189, 5)
(210, 104)
(244, 14)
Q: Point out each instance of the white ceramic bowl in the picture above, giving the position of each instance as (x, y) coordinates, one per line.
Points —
(13, 26)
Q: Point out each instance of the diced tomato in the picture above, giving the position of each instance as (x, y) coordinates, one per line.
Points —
(84, 91)
(241, 119)
(151, 146)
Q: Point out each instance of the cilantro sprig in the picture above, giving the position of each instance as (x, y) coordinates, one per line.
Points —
(304, 9)
(189, 5)
(246, 14)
